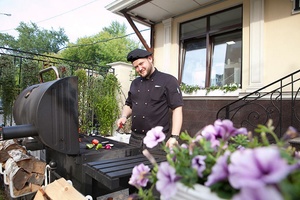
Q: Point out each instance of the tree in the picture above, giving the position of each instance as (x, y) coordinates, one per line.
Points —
(110, 45)
(8, 89)
(34, 39)
(115, 29)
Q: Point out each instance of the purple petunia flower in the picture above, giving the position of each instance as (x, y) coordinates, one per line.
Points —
(221, 130)
(261, 193)
(139, 177)
(227, 129)
(198, 163)
(184, 146)
(290, 133)
(167, 178)
(257, 167)
(154, 136)
(219, 170)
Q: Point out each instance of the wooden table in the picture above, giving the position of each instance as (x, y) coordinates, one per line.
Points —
(110, 172)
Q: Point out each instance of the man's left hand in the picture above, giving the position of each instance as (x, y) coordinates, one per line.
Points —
(171, 142)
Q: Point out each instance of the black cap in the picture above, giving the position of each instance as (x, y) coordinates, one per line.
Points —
(137, 54)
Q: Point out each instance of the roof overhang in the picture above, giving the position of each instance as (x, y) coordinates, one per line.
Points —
(151, 12)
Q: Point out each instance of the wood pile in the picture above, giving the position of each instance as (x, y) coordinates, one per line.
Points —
(23, 173)
(58, 190)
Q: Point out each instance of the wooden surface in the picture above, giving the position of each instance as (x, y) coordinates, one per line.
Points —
(109, 172)
(58, 190)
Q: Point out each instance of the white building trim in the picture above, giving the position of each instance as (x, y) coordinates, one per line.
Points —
(167, 44)
(256, 44)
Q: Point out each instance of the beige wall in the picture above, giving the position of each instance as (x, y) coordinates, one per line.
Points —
(280, 41)
(123, 72)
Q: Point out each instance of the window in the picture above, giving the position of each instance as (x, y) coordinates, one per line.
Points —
(194, 63)
(226, 59)
(211, 49)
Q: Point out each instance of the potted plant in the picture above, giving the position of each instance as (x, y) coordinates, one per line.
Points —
(212, 90)
(229, 162)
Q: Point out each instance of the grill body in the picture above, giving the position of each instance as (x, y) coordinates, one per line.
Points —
(47, 113)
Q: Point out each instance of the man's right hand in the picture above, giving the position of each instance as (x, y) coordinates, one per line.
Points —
(121, 121)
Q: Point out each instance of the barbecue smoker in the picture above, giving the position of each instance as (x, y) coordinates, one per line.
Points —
(48, 112)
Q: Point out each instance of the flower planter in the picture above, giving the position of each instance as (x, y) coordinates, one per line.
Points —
(226, 164)
(199, 192)
(222, 93)
(212, 93)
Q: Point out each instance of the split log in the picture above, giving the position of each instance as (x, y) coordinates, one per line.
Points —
(37, 179)
(4, 156)
(27, 173)
(59, 189)
(38, 166)
(20, 178)
(24, 190)
(26, 164)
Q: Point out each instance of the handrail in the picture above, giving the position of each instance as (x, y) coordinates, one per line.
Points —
(278, 104)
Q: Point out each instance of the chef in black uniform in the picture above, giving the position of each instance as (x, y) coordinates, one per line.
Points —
(154, 99)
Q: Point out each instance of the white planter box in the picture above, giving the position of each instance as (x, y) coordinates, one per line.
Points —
(222, 93)
(212, 93)
(200, 192)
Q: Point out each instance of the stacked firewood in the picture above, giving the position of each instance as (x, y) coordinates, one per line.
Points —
(23, 173)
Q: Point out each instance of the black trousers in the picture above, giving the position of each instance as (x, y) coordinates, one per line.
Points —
(136, 139)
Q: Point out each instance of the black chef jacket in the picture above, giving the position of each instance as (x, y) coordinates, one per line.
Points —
(150, 101)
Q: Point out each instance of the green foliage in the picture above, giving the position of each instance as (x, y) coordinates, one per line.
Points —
(115, 29)
(64, 70)
(8, 89)
(106, 103)
(109, 45)
(225, 88)
(189, 89)
(34, 39)
(29, 74)
(97, 97)
(218, 160)
(83, 98)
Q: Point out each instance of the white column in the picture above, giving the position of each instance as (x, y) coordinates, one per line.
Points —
(256, 44)
(167, 44)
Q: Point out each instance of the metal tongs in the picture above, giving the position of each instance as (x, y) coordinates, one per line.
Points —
(119, 128)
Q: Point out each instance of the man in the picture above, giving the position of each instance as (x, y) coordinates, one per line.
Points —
(150, 99)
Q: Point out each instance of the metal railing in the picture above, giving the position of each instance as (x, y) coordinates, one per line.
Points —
(20, 60)
(20, 56)
(277, 101)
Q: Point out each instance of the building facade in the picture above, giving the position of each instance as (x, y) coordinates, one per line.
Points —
(208, 43)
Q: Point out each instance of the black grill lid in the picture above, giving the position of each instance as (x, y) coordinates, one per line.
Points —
(49, 111)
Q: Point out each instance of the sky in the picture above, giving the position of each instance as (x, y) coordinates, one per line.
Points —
(79, 18)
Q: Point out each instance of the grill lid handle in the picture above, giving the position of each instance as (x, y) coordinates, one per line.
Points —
(46, 70)
(19, 131)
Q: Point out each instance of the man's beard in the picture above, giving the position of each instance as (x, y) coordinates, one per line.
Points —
(148, 73)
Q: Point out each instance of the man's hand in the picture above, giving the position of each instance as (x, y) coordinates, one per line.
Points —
(121, 121)
(171, 142)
